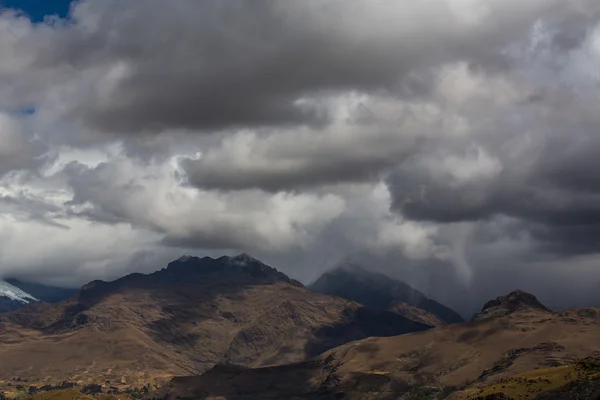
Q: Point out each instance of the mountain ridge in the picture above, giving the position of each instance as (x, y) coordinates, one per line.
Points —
(183, 319)
(379, 291)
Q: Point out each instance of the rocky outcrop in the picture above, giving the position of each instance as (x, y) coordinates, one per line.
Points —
(517, 300)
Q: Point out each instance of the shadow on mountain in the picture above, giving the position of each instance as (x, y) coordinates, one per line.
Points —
(315, 379)
(380, 292)
(361, 323)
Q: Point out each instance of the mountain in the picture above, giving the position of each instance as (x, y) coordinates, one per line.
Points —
(46, 293)
(11, 297)
(461, 358)
(182, 320)
(517, 300)
(378, 291)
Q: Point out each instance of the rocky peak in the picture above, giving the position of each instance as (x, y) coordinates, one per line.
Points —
(188, 270)
(516, 300)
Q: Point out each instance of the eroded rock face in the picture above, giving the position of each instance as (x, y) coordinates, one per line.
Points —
(514, 301)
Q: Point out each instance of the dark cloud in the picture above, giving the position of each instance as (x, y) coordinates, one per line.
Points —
(549, 184)
(211, 65)
(451, 143)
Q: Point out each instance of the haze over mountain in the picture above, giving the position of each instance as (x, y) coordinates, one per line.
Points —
(378, 291)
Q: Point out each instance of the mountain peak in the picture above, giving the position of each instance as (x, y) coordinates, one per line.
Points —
(514, 301)
(14, 293)
(238, 271)
(11, 297)
(376, 290)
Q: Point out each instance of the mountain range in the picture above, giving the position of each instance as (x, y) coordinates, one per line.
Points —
(184, 319)
(235, 328)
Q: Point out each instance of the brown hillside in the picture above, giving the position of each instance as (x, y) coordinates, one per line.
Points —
(469, 355)
(182, 320)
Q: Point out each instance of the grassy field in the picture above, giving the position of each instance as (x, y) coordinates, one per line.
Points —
(528, 385)
(74, 394)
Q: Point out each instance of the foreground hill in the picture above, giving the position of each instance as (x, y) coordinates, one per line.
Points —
(182, 320)
(429, 364)
(379, 291)
(566, 382)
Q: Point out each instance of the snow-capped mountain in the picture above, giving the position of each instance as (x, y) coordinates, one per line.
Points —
(11, 297)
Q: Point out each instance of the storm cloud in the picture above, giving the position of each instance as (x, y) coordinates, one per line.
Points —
(450, 143)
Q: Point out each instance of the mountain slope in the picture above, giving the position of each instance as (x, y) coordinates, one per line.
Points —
(11, 297)
(46, 293)
(575, 381)
(182, 320)
(429, 364)
(381, 292)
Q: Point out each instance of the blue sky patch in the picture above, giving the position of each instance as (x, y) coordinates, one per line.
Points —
(37, 10)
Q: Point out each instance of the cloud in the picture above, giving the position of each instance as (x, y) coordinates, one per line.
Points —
(213, 65)
(349, 150)
(18, 150)
(536, 167)
(150, 197)
(452, 143)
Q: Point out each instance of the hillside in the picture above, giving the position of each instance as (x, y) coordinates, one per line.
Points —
(429, 364)
(580, 380)
(182, 320)
(378, 291)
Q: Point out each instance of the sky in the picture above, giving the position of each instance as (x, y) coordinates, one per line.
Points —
(449, 143)
(37, 10)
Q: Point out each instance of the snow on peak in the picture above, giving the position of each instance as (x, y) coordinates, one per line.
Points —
(14, 293)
